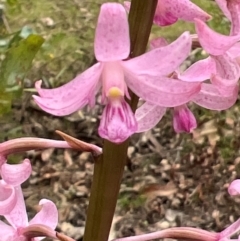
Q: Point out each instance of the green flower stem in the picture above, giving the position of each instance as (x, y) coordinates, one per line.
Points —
(108, 169)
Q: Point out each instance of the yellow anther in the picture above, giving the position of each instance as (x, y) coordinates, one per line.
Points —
(114, 92)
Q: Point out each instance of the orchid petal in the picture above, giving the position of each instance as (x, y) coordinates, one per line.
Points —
(48, 215)
(234, 9)
(158, 42)
(148, 116)
(213, 42)
(16, 174)
(183, 119)
(7, 198)
(161, 61)
(72, 96)
(18, 215)
(112, 41)
(162, 91)
(199, 71)
(234, 188)
(6, 232)
(117, 122)
(234, 51)
(228, 73)
(210, 98)
(223, 6)
(229, 231)
(168, 13)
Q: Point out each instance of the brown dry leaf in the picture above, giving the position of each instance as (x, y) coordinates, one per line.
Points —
(46, 154)
(156, 190)
(208, 130)
(68, 158)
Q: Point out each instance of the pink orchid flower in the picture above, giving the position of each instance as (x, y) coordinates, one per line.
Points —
(12, 206)
(116, 75)
(168, 12)
(212, 96)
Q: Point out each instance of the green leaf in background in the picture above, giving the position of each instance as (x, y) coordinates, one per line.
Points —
(17, 62)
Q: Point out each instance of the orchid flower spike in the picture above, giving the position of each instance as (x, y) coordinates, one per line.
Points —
(168, 12)
(115, 76)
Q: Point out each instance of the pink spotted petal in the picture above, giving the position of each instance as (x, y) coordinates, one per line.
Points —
(183, 119)
(48, 215)
(234, 51)
(117, 122)
(199, 71)
(148, 115)
(234, 188)
(18, 215)
(234, 9)
(210, 98)
(163, 91)
(213, 42)
(161, 61)
(8, 198)
(16, 174)
(72, 96)
(6, 232)
(227, 74)
(158, 42)
(168, 13)
(223, 6)
(112, 41)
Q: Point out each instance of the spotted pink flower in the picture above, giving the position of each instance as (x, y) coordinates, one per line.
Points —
(114, 74)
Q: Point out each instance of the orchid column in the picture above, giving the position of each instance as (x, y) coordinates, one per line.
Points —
(109, 168)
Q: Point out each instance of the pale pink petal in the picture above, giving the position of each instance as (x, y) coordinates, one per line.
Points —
(210, 98)
(234, 51)
(148, 115)
(183, 119)
(167, 13)
(212, 42)
(16, 174)
(234, 9)
(227, 74)
(8, 198)
(6, 232)
(234, 187)
(223, 6)
(72, 96)
(112, 41)
(229, 231)
(48, 215)
(117, 122)
(161, 61)
(18, 215)
(158, 42)
(163, 91)
(199, 71)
